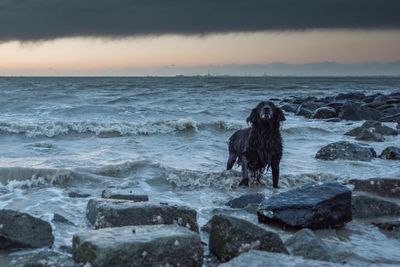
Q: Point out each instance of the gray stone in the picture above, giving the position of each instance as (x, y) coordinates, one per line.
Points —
(303, 111)
(316, 206)
(386, 187)
(44, 259)
(376, 126)
(370, 135)
(353, 111)
(230, 236)
(245, 200)
(114, 213)
(371, 207)
(344, 150)
(256, 258)
(78, 194)
(306, 244)
(21, 230)
(128, 195)
(61, 219)
(391, 152)
(146, 245)
(324, 113)
(290, 107)
(388, 225)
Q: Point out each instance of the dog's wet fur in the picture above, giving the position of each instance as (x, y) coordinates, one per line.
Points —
(258, 147)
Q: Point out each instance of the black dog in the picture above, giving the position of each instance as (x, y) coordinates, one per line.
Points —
(260, 146)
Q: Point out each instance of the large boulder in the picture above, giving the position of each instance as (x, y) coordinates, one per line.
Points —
(256, 258)
(371, 207)
(376, 126)
(324, 113)
(122, 194)
(245, 200)
(370, 135)
(230, 236)
(21, 230)
(147, 245)
(315, 206)
(391, 152)
(114, 213)
(344, 150)
(353, 111)
(386, 187)
(306, 244)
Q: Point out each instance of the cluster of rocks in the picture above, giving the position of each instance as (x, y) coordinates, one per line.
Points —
(347, 106)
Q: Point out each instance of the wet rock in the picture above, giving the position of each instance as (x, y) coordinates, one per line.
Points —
(316, 206)
(78, 194)
(388, 225)
(114, 213)
(344, 150)
(386, 187)
(390, 118)
(245, 200)
(376, 126)
(256, 258)
(303, 111)
(230, 236)
(290, 107)
(324, 113)
(391, 152)
(350, 96)
(126, 195)
(306, 244)
(44, 259)
(370, 135)
(352, 111)
(61, 219)
(21, 230)
(371, 207)
(146, 245)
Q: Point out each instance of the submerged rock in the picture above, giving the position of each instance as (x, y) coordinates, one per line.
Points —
(230, 236)
(306, 244)
(391, 152)
(314, 206)
(61, 219)
(114, 213)
(245, 200)
(256, 258)
(353, 111)
(344, 150)
(386, 187)
(324, 113)
(78, 195)
(146, 245)
(371, 207)
(21, 230)
(128, 195)
(370, 135)
(374, 125)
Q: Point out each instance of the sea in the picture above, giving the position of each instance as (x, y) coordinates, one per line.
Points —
(167, 137)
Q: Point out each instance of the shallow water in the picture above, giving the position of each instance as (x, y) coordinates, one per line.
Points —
(166, 137)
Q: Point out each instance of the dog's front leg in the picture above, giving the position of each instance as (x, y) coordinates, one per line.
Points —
(245, 172)
(275, 173)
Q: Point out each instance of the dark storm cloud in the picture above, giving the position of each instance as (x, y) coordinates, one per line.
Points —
(29, 20)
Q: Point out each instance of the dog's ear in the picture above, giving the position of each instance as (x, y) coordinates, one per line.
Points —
(279, 115)
(253, 117)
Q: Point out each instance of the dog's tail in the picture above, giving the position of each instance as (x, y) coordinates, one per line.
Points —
(231, 160)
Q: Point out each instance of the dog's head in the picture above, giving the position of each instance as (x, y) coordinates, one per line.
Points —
(266, 113)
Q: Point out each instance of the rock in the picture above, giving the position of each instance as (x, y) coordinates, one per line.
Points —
(370, 135)
(129, 195)
(303, 111)
(316, 206)
(290, 107)
(344, 150)
(114, 213)
(230, 236)
(146, 245)
(44, 259)
(61, 219)
(324, 113)
(21, 230)
(354, 112)
(374, 125)
(391, 152)
(390, 118)
(386, 187)
(78, 195)
(245, 200)
(388, 225)
(353, 96)
(256, 258)
(371, 207)
(306, 244)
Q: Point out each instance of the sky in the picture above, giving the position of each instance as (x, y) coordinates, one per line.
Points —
(159, 37)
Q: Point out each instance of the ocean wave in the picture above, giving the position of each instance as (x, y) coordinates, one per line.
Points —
(110, 129)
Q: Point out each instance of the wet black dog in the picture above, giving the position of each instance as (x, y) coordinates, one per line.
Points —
(258, 147)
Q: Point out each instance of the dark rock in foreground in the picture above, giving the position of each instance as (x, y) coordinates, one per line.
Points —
(21, 230)
(245, 200)
(345, 151)
(371, 207)
(376, 126)
(129, 195)
(315, 206)
(392, 153)
(256, 258)
(353, 111)
(386, 187)
(306, 244)
(114, 213)
(150, 245)
(230, 236)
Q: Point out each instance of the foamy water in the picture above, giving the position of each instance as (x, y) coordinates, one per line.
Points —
(166, 137)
